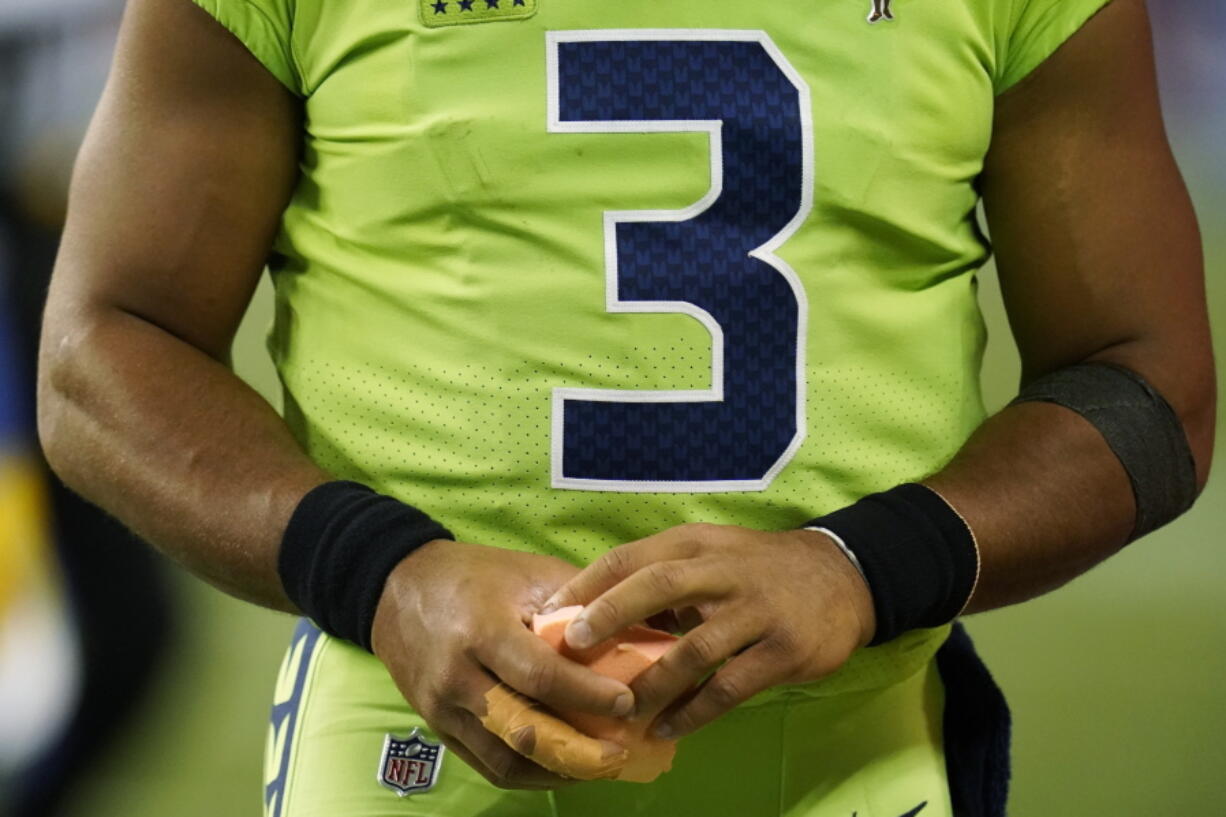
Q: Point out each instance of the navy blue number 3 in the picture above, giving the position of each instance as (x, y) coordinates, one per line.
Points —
(713, 260)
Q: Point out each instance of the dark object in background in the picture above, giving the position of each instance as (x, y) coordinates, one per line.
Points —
(118, 592)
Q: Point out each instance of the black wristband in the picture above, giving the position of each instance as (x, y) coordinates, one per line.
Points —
(916, 553)
(342, 541)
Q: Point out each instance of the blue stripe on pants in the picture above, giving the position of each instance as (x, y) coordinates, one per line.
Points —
(285, 713)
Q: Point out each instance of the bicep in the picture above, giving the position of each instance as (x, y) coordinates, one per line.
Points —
(180, 184)
(1096, 240)
(1097, 245)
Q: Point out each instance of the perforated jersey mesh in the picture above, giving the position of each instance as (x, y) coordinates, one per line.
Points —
(441, 267)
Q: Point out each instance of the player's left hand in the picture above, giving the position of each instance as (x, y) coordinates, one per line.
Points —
(786, 607)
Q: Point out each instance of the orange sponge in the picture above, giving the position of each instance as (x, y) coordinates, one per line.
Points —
(623, 657)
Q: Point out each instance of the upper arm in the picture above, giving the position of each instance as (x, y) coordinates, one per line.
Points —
(180, 185)
(1097, 245)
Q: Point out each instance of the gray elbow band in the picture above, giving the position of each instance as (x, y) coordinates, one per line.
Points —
(1140, 427)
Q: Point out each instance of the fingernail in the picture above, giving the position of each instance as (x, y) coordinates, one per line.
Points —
(524, 740)
(549, 607)
(623, 705)
(610, 749)
(662, 730)
(578, 634)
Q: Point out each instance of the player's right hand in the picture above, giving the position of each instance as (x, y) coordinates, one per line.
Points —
(452, 622)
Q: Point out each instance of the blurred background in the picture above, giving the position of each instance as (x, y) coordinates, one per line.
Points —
(145, 692)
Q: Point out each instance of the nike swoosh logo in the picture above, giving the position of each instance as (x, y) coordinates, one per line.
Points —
(910, 813)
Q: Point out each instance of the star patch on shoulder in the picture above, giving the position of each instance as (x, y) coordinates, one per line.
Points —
(439, 13)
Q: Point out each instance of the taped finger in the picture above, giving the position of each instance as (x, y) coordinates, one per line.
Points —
(494, 760)
(523, 724)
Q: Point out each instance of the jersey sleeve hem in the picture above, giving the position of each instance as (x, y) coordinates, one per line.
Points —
(1054, 35)
(255, 31)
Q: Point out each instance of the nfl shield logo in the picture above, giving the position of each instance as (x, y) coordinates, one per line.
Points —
(411, 764)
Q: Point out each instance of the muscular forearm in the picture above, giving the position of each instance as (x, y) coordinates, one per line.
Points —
(1099, 258)
(176, 197)
(173, 444)
(1046, 497)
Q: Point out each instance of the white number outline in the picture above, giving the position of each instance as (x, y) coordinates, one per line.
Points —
(612, 218)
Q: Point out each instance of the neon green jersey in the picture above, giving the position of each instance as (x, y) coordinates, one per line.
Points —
(565, 273)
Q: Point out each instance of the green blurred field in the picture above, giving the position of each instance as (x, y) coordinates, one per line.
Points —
(1116, 680)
